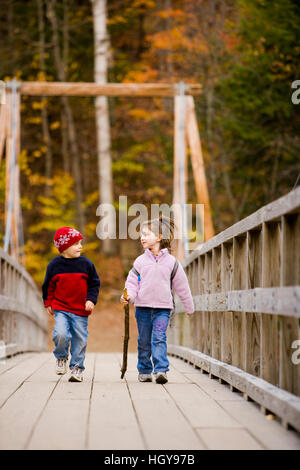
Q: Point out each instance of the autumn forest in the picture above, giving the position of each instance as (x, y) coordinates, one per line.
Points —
(244, 53)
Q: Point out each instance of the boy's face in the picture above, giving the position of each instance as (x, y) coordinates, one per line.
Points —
(148, 238)
(73, 251)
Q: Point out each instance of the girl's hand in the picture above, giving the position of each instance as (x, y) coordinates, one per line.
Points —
(123, 301)
(89, 305)
(49, 310)
(188, 315)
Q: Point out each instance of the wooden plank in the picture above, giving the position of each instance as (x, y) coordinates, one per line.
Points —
(226, 284)
(13, 378)
(62, 426)
(272, 300)
(162, 424)
(63, 422)
(239, 282)
(21, 412)
(270, 434)
(221, 439)
(8, 363)
(269, 323)
(108, 89)
(289, 373)
(280, 402)
(113, 423)
(252, 320)
(207, 314)
(216, 316)
(207, 414)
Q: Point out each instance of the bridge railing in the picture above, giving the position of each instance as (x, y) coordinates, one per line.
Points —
(23, 321)
(245, 285)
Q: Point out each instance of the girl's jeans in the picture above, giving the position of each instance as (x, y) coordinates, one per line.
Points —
(152, 326)
(70, 328)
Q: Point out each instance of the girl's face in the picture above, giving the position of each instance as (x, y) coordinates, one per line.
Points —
(149, 239)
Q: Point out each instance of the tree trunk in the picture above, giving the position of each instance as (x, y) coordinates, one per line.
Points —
(44, 112)
(101, 47)
(61, 73)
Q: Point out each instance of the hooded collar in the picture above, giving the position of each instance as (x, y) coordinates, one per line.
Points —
(162, 252)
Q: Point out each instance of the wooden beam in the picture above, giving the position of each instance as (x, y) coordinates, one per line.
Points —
(290, 203)
(179, 146)
(271, 300)
(194, 142)
(3, 108)
(108, 89)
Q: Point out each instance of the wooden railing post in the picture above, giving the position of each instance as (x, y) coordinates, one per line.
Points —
(269, 323)
(289, 372)
(253, 279)
(216, 315)
(226, 284)
(239, 318)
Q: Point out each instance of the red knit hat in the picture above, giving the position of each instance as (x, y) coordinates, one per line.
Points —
(65, 237)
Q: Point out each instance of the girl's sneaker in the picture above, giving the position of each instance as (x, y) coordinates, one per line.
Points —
(61, 366)
(145, 378)
(76, 375)
(161, 378)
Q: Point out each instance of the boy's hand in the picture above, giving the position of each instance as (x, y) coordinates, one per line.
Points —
(49, 310)
(123, 301)
(89, 305)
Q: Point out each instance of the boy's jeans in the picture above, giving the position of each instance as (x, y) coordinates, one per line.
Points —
(152, 326)
(70, 328)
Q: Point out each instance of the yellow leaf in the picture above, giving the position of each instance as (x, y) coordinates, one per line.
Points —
(54, 125)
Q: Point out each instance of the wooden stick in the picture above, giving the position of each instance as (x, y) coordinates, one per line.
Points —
(108, 89)
(126, 336)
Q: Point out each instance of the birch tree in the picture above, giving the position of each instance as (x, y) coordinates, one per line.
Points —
(101, 50)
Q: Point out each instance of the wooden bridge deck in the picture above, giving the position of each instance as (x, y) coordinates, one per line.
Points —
(40, 410)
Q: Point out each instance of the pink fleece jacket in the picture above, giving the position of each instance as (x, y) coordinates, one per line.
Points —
(153, 288)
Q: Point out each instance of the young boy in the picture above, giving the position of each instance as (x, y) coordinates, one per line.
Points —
(70, 292)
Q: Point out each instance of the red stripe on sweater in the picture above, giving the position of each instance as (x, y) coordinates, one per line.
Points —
(68, 292)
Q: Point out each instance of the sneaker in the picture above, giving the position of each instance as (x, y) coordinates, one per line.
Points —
(76, 375)
(161, 378)
(61, 366)
(145, 378)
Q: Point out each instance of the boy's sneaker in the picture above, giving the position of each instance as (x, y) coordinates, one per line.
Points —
(61, 366)
(145, 378)
(161, 378)
(76, 375)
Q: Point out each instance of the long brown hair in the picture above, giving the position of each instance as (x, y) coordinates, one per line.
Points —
(164, 226)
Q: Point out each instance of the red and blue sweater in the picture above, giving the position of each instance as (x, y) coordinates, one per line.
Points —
(69, 283)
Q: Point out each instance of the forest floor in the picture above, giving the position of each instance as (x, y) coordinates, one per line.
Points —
(106, 323)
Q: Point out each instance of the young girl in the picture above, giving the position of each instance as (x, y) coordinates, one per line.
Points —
(149, 288)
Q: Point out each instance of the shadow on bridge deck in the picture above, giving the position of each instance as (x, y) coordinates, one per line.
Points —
(40, 410)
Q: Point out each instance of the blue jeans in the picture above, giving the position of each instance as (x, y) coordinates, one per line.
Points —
(152, 326)
(71, 329)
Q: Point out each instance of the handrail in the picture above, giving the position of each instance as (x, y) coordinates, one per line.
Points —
(23, 320)
(245, 283)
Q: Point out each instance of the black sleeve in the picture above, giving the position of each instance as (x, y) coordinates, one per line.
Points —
(45, 287)
(93, 285)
